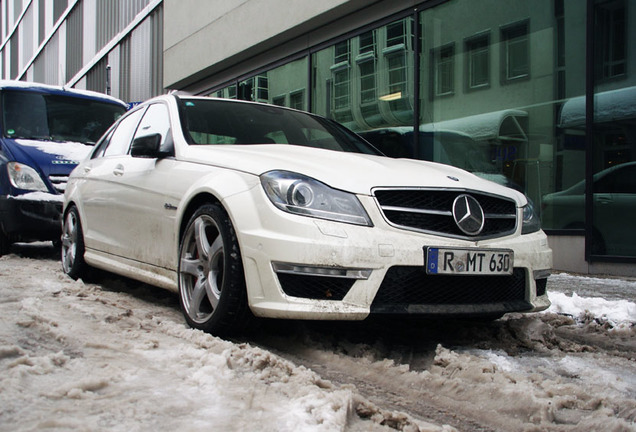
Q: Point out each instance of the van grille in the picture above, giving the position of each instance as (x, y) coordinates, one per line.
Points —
(431, 211)
(59, 182)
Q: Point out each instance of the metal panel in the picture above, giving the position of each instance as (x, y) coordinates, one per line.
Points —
(74, 41)
(27, 37)
(14, 47)
(41, 21)
(124, 70)
(140, 71)
(96, 77)
(156, 61)
(108, 24)
(51, 59)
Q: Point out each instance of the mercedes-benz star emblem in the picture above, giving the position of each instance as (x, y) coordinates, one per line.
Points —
(468, 214)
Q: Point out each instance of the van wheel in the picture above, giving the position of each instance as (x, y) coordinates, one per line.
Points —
(212, 287)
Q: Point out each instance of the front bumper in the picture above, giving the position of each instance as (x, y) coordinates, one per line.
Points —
(22, 219)
(302, 268)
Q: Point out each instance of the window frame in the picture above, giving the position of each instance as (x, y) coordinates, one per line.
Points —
(515, 35)
(475, 47)
(439, 58)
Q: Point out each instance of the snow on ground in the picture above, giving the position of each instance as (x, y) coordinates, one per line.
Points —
(116, 355)
(77, 356)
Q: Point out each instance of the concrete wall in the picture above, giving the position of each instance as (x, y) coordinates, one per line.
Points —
(569, 256)
(197, 46)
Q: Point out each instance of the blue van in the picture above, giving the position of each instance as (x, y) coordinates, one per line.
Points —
(44, 132)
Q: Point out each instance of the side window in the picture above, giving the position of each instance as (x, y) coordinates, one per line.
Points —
(101, 145)
(156, 121)
(121, 137)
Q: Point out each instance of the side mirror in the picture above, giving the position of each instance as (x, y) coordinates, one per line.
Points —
(148, 146)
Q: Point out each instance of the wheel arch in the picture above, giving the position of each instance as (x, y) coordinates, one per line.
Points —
(196, 202)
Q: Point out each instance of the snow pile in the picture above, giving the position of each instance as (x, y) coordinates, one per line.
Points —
(616, 313)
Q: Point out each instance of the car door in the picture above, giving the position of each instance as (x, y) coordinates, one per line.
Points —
(100, 184)
(127, 210)
(148, 194)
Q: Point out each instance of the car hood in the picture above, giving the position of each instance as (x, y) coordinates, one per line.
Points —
(52, 158)
(353, 172)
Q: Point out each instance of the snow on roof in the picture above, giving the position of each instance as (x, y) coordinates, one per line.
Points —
(34, 85)
(608, 106)
(479, 126)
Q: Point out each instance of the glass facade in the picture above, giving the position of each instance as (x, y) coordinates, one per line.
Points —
(514, 94)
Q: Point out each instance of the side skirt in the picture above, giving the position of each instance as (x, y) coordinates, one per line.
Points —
(142, 272)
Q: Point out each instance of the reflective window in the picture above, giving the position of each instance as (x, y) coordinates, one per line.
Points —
(478, 62)
(502, 93)
(610, 39)
(515, 51)
(614, 157)
(443, 64)
(285, 85)
(367, 81)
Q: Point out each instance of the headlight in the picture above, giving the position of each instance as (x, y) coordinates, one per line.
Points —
(24, 177)
(302, 195)
(531, 220)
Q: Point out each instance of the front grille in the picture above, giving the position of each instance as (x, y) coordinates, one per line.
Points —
(315, 287)
(411, 290)
(431, 211)
(59, 182)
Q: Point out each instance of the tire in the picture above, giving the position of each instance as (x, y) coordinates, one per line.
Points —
(211, 279)
(5, 243)
(73, 249)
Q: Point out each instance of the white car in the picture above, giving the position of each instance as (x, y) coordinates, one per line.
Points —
(251, 209)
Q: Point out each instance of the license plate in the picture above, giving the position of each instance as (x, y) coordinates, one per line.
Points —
(469, 261)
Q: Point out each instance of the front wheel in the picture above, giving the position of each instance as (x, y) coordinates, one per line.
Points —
(211, 279)
(73, 245)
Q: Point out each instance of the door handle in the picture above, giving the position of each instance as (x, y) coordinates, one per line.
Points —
(87, 169)
(119, 170)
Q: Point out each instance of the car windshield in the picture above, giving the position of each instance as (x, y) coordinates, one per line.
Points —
(223, 122)
(39, 116)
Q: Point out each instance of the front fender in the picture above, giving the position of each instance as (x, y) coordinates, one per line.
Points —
(221, 185)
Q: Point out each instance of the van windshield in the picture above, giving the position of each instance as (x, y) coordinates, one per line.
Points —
(47, 117)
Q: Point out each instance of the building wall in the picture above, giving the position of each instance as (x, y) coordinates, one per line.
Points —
(110, 46)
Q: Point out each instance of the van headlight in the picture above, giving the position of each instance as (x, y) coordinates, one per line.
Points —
(302, 195)
(24, 177)
(531, 221)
